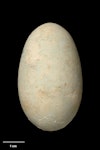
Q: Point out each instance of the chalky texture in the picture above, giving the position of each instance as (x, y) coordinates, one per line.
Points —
(50, 78)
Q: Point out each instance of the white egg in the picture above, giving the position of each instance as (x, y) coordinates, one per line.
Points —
(50, 78)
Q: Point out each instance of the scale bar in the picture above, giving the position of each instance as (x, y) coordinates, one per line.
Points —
(13, 141)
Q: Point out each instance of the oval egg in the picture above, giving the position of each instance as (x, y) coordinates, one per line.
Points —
(50, 78)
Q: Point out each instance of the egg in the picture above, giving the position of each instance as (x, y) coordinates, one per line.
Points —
(50, 78)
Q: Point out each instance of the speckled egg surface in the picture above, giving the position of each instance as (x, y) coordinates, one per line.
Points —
(50, 78)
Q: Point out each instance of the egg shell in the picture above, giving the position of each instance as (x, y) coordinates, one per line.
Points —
(50, 77)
